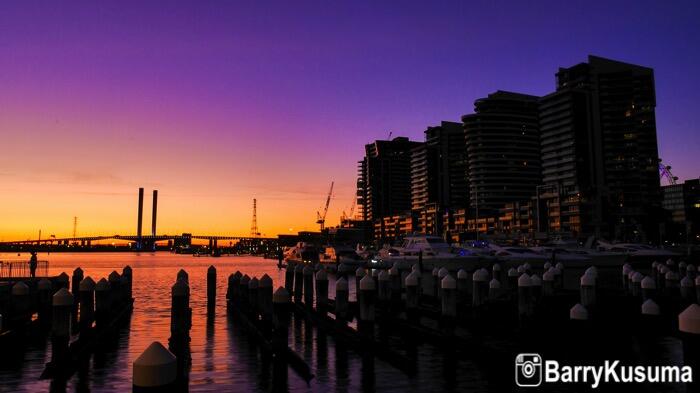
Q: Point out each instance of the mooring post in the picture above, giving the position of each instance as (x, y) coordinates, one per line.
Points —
(365, 324)
(253, 297)
(395, 286)
(671, 284)
(497, 272)
(115, 290)
(179, 312)
(21, 303)
(45, 302)
(129, 275)
(384, 291)
(229, 288)
(691, 271)
(211, 288)
(60, 326)
(434, 283)
(448, 286)
(578, 319)
(637, 278)
(682, 268)
(513, 281)
(697, 288)
(648, 286)
(687, 291)
(102, 303)
(360, 273)
(480, 291)
(689, 328)
(308, 274)
(525, 306)
(442, 273)
(322, 291)
(548, 283)
(265, 301)
(87, 304)
(536, 282)
(182, 274)
(298, 283)
(462, 291)
(243, 292)
(74, 289)
(494, 290)
(280, 320)
(587, 291)
(651, 316)
(236, 288)
(155, 370)
(62, 280)
(342, 295)
(412, 295)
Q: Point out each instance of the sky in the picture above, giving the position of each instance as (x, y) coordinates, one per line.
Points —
(216, 103)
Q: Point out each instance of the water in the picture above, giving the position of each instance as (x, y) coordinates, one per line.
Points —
(223, 358)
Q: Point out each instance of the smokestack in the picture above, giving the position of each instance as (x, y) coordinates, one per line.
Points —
(139, 227)
(155, 211)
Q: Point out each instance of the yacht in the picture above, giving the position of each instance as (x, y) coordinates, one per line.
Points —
(341, 254)
(435, 253)
(302, 253)
(637, 251)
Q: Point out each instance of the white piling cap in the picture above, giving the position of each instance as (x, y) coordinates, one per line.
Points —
(631, 274)
(690, 268)
(412, 279)
(448, 282)
(253, 284)
(626, 269)
(494, 284)
(415, 267)
(556, 270)
(480, 275)
(367, 284)
(653, 264)
(383, 276)
(524, 280)
(547, 265)
(521, 269)
(20, 288)
(281, 295)
(689, 320)
(512, 272)
(682, 264)
(649, 307)
(435, 272)
(687, 282)
(88, 284)
(578, 312)
(527, 266)
(587, 280)
(670, 262)
(322, 275)
(663, 269)
(648, 283)
(496, 267)
(102, 285)
(559, 266)
(462, 274)
(394, 271)
(62, 298)
(593, 271)
(548, 275)
(671, 276)
(299, 268)
(265, 281)
(443, 272)
(180, 288)
(341, 284)
(155, 367)
(360, 272)
(535, 280)
(637, 277)
(44, 284)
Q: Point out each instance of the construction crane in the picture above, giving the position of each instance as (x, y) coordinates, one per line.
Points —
(321, 219)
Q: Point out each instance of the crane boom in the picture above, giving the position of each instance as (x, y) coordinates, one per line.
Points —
(321, 219)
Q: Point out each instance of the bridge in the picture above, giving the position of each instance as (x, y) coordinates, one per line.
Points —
(135, 238)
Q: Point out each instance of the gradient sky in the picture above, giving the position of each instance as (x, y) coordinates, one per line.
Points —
(215, 103)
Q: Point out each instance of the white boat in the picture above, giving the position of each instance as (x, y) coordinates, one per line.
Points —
(515, 255)
(637, 251)
(434, 252)
(302, 253)
(340, 254)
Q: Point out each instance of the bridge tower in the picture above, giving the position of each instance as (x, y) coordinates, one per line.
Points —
(254, 226)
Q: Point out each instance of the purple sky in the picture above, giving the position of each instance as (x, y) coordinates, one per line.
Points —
(284, 95)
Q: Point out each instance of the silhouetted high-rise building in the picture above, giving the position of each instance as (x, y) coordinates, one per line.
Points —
(384, 179)
(599, 152)
(438, 176)
(682, 203)
(503, 149)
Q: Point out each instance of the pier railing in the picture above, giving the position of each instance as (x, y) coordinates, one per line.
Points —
(16, 268)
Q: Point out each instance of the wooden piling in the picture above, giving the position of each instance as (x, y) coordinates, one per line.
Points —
(395, 286)
(384, 291)
(129, 274)
(253, 298)
(648, 286)
(448, 291)
(21, 304)
(289, 277)
(265, 299)
(298, 283)
(102, 303)
(308, 277)
(412, 295)
(87, 304)
(442, 273)
(280, 320)
(179, 312)
(588, 291)
(494, 290)
(548, 283)
(689, 329)
(480, 291)
(211, 288)
(115, 294)
(525, 303)
(321, 291)
(341, 299)
(513, 280)
(61, 326)
(360, 273)
(44, 288)
(687, 291)
(75, 285)
(62, 280)
(366, 306)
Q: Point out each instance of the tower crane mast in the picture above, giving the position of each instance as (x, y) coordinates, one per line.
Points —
(321, 218)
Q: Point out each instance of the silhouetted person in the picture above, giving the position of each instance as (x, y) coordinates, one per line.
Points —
(32, 264)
